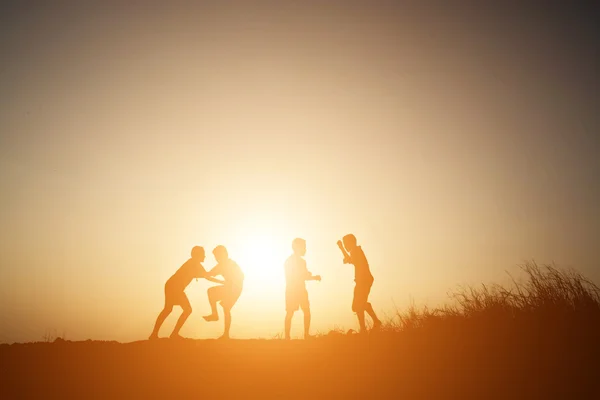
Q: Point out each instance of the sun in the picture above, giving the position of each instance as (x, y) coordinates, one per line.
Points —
(261, 257)
(260, 243)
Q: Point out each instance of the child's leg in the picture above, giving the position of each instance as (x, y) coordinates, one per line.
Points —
(212, 300)
(227, 315)
(215, 294)
(288, 323)
(187, 310)
(361, 320)
(306, 322)
(371, 312)
(228, 296)
(160, 319)
(359, 303)
(305, 305)
(291, 306)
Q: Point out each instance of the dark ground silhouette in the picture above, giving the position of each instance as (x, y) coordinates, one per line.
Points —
(536, 340)
(450, 365)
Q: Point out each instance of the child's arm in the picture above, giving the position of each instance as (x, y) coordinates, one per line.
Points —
(310, 277)
(347, 258)
(210, 275)
(200, 272)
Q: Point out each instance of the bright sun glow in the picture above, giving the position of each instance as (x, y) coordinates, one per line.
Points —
(262, 257)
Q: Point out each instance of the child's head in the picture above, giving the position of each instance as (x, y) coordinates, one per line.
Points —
(349, 242)
(220, 253)
(198, 253)
(299, 246)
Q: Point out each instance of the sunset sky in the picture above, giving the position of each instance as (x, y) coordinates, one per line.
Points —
(455, 142)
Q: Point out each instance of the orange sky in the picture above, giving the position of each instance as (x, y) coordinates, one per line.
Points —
(453, 145)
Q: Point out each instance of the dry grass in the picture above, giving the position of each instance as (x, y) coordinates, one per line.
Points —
(549, 297)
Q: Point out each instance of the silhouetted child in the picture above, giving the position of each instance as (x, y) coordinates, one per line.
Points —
(175, 294)
(296, 296)
(229, 292)
(362, 277)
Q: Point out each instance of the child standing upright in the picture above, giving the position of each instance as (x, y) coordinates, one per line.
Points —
(296, 296)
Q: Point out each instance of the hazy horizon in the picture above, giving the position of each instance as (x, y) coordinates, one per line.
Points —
(455, 142)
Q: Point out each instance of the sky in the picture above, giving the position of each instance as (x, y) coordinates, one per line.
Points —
(456, 141)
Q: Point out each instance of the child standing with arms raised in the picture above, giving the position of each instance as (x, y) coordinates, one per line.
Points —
(353, 254)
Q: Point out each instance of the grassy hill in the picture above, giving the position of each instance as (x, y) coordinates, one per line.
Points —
(536, 339)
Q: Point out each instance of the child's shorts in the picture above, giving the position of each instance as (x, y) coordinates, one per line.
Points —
(361, 295)
(229, 294)
(175, 297)
(295, 299)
